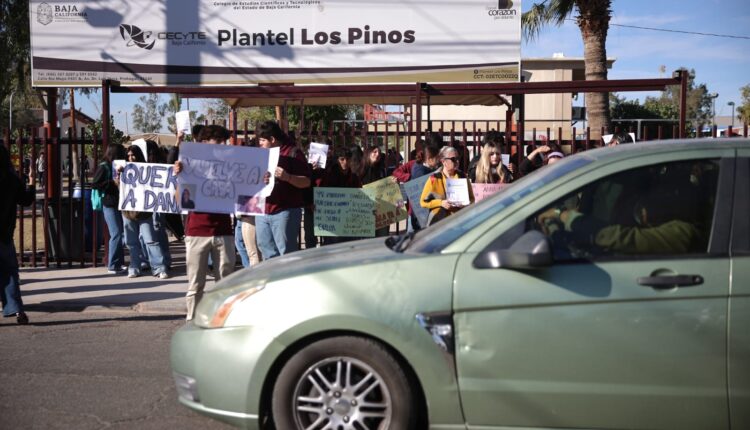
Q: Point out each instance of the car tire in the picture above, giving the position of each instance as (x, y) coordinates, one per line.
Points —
(343, 383)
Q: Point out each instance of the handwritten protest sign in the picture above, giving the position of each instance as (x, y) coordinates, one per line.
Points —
(318, 155)
(148, 187)
(389, 203)
(482, 191)
(457, 191)
(215, 177)
(344, 212)
(413, 191)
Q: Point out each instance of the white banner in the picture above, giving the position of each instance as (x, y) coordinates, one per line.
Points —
(245, 42)
(148, 187)
(216, 178)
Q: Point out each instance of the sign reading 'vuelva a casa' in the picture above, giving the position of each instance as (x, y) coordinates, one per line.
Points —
(247, 42)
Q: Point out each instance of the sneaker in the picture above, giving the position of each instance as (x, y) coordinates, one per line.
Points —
(163, 275)
(133, 273)
(21, 318)
(117, 271)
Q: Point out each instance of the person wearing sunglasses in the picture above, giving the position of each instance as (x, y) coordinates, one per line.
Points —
(489, 168)
(434, 194)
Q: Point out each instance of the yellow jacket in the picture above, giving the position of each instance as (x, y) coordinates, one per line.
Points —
(436, 185)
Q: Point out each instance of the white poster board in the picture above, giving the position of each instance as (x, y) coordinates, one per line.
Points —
(247, 42)
(148, 187)
(457, 191)
(215, 177)
(182, 121)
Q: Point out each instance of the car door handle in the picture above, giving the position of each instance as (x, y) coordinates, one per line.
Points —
(670, 281)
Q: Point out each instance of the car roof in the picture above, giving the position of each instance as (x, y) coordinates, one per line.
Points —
(610, 153)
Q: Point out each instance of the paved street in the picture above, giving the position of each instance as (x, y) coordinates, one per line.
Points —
(91, 370)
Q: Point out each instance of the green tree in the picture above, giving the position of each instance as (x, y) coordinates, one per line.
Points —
(743, 110)
(216, 110)
(149, 114)
(666, 106)
(115, 134)
(593, 21)
(14, 39)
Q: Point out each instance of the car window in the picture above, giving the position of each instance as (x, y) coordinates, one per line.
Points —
(442, 234)
(662, 210)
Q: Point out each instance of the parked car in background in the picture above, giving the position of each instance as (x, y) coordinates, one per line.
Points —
(609, 290)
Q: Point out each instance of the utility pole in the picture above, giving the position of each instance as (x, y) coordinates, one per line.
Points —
(732, 104)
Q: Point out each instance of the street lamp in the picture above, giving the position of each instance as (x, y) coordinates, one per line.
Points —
(732, 104)
(713, 97)
(127, 129)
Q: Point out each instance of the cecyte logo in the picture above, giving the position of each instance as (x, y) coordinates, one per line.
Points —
(135, 36)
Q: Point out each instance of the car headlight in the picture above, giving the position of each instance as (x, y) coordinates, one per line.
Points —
(214, 309)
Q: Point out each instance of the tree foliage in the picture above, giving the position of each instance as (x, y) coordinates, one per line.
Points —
(14, 40)
(149, 114)
(593, 22)
(666, 106)
(743, 110)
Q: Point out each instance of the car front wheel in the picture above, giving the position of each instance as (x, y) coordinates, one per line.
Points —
(343, 383)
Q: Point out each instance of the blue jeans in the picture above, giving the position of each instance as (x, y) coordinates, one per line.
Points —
(160, 228)
(116, 254)
(239, 243)
(277, 234)
(11, 293)
(143, 229)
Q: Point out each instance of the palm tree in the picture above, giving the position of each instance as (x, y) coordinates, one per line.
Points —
(593, 21)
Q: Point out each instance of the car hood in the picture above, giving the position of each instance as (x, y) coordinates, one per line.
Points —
(319, 259)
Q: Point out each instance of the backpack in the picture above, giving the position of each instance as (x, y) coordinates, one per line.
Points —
(96, 195)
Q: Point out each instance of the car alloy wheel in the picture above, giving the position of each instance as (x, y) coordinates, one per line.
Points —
(341, 384)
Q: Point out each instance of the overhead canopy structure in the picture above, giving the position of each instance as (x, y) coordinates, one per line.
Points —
(461, 94)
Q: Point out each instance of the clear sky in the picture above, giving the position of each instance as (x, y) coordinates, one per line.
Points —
(722, 63)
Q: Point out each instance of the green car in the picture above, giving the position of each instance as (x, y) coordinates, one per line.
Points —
(610, 290)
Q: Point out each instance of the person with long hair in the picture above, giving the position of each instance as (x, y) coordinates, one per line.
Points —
(105, 182)
(372, 169)
(339, 175)
(278, 229)
(15, 192)
(139, 226)
(434, 195)
(157, 155)
(490, 169)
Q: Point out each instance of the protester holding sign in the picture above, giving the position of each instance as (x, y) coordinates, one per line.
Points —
(278, 229)
(104, 181)
(490, 169)
(156, 155)
(140, 226)
(339, 175)
(372, 169)
(207, 233)
(434, 195)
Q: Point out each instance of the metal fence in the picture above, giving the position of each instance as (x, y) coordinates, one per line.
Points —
(73, 234)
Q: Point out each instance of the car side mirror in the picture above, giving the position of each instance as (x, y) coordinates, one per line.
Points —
(530, 251)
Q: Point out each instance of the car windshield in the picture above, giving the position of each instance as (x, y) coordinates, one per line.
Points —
(436, 237)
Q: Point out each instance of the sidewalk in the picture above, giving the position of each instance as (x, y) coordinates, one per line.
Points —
(80, 289)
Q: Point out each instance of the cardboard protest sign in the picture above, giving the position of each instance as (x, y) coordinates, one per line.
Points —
(318, 155)
(413, 191)
(148, 187)
(182, 121)
(215, 177)
(457, 191)
(344, 212)
(389, 203)
(482, 191)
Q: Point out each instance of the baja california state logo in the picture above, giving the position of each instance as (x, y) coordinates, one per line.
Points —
(44, 14)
